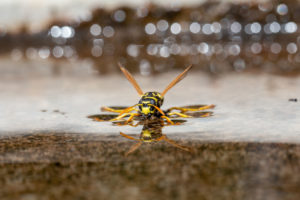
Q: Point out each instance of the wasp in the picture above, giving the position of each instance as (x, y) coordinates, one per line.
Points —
(149, 105)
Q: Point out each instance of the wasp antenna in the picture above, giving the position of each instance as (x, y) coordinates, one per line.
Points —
(133, 148)
(176, 80)
(131, 79)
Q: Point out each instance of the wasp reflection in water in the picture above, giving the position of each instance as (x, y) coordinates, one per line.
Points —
(152, 132)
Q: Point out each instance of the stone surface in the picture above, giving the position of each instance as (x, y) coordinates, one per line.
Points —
(249, 107)
(80, 166)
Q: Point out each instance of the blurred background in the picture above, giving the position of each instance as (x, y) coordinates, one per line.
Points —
(153, 37)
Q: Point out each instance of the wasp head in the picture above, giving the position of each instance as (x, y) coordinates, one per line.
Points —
(148, 104)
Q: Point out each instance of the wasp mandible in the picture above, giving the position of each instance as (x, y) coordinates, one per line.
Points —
(150, 102)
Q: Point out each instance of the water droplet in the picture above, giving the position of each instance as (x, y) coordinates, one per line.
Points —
(133, 50)
(256, 48)
(236, 27)
(292, 48)
(99, 42)
(162, 25)
(206, 29)
(67, 32)
(203, 48)
(164, 51)
(175, 49)
(275, 48)
(175, 28)
(150, 28)
(55, 31)
(96, 51)
(216, 27)
(255, 27)
(58, 51)
(44, 52)
(275, 27)
(145, 67)
(234, 49)
(195, 27)
(290, 27)
(108, 31)
(282, 9)
(152, 49)
(95, 29)
(119, 16)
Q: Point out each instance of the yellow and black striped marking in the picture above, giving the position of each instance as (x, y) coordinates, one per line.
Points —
(148, 104)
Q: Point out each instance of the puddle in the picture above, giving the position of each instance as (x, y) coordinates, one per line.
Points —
(87, 165)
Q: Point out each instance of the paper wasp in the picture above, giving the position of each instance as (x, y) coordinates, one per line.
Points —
(150, 103)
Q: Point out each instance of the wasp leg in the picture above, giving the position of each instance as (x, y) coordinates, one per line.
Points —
(183, 110)
(131, 116)
(120, 110)
(168, 119)
(120, 117)
(179, 114)
(129, 109)
(128, 137)
(109, 109)
(164, 115)
(133, 148)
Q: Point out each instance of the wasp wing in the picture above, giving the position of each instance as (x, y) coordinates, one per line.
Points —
(176, 80)
(131, 79)
(102, 118)
(191, 108)
(199, 114)
(198, 107)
